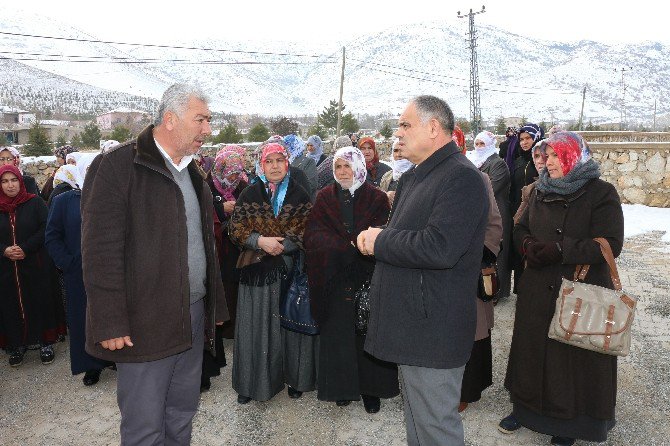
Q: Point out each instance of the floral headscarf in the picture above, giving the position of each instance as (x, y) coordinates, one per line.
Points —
(480, 155)
(315, 141)
(295, 146)
(8, 204)
(570, 148)
(356, 160)
(229, 161)
(68, 173)
(62, 151)
(15, 153)
(277, 191)
(459, 137)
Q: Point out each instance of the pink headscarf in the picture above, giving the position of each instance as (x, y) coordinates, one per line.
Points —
(229, 161)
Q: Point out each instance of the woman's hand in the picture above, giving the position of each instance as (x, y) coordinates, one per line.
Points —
(271, 245)
(541, 254)
(14, 253)
(229, 207)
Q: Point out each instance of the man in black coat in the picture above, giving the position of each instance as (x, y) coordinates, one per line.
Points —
(422, 311)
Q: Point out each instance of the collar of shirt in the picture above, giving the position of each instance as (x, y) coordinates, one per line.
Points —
(182, 164)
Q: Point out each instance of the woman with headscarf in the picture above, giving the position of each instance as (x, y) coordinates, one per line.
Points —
(11, 156)
(558, 389)
(65, 178)
(336, 271)
(298, 175)
(376, 169)
(314, 148)
(485, 158)
(478, 373)
(459, 138)
(28, 312)
(538, 160)
(268, 225)
(507, 148)
(297, 159)
(227, 180)
(63, 242)
(399, 165)
(325, 170)
(60, 153)
(523, 174)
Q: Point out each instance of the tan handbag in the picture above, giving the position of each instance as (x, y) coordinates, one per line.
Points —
(592, 317)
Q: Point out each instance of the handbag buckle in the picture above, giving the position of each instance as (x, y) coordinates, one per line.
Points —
(573, 312)
(607, 321)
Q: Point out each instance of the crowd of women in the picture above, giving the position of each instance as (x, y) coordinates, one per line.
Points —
(300, 210)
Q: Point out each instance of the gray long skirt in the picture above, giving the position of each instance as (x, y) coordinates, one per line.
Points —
(266, 356)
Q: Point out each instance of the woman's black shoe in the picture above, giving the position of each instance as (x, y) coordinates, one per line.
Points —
(205, 384)
(241, 399)
(371, 403)
(295, 394)
(91, 377)
(342, 403)
(16, 357)
(562, 441)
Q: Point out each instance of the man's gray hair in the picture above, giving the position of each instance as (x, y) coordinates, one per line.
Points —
(429, 107)
(175, 99)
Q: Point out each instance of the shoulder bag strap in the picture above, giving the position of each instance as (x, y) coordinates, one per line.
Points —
(609, 258)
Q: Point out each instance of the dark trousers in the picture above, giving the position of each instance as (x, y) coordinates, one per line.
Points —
(158, 399)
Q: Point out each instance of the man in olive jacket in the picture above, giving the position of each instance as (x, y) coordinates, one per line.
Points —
(151, 271)
(428, 261)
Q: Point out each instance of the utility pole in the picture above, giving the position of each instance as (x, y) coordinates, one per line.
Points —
(339, 105)
(654, 114)
(623, 95)
(475, 111)
(581, 114)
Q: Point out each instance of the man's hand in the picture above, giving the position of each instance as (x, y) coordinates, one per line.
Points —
(271, 245)
(116, 343)
(229, 207)
(366, 241)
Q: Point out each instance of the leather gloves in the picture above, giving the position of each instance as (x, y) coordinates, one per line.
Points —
(539, 254)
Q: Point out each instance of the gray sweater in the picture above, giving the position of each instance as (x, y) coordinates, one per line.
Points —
(197, 263)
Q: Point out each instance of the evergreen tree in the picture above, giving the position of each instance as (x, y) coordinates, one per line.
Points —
(121, 134)
(328, 117)
(228, 135)
(258, 133)
(283, 126)
(501, 126)
(38, 141)
(3, 139)
(61, 141)
(76, 141)
(386, 130)
(318, 129)
(91, 136)
(349, 123)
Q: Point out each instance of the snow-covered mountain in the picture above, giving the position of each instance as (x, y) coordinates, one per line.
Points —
(519, 76)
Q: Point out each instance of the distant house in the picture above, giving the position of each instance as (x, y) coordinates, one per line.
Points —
(122, 116)
(10, 115)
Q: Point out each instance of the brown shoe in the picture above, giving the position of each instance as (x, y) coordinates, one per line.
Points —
(462, 407)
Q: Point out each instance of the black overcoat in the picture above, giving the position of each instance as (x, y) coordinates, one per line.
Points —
(427, 264)
(546, 376)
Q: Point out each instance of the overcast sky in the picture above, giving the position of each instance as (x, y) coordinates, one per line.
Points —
(150, 21)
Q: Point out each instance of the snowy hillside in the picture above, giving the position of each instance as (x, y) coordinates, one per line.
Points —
(518, 76)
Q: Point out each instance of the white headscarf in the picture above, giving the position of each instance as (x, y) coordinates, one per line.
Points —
(480, 155)
(399, 166)
(73, 156)
(68, 173)
(356, 160)
(83, 163)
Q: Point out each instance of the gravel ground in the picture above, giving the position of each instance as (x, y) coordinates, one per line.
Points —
(45, 405)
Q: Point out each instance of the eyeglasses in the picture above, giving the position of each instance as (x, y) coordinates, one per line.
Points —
(3, 159)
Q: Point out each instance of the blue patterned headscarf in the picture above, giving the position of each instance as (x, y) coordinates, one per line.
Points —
(534, 130)
(295, 146)
(315, 141)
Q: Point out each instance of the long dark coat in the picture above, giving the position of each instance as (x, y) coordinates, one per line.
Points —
(545, 376)
(63, 242)
(29, 310)
(337, 270)
(428, 258)
(499, 175)
(135, 254)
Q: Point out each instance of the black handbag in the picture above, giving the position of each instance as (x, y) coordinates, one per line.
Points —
(295, 312)
(362, 308)
(489, 283)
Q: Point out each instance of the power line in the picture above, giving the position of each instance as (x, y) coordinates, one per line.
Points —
(150, 45)
(99, 59)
